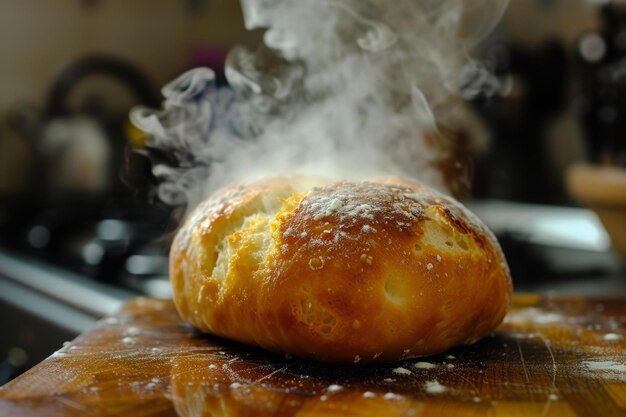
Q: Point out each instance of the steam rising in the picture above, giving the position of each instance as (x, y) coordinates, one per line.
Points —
(343, 88)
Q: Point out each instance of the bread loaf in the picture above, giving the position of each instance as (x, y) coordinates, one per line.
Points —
(340, 272)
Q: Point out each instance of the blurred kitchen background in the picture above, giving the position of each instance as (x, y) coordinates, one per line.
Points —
(80, 230)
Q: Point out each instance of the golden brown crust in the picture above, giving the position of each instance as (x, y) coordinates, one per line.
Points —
(346, 272)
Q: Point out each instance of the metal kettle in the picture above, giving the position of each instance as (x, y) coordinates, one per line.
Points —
(79, 150)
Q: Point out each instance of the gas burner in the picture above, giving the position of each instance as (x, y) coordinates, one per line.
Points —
(122, 243)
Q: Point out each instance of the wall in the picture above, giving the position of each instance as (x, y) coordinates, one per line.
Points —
(533, 21)
(38, 38)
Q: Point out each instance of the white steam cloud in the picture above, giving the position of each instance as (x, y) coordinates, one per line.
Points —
(341, 88)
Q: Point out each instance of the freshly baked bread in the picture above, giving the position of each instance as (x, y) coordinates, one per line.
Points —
(339, 272)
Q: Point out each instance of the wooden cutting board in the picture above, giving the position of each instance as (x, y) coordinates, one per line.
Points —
(552, 357)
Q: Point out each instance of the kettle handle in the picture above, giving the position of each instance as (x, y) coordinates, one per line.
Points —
(99, 64)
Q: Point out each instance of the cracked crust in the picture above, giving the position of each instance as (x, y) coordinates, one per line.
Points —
(340, 272)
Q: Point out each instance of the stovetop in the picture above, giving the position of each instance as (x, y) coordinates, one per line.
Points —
(122, 243)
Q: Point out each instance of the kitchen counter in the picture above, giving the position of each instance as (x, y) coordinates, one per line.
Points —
(554, 356)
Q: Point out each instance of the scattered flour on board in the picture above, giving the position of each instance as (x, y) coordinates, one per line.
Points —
(606, 366)
(534, 315)
(401, 371)
(434, 387)
(608, 369)
(392, 396)
(132, 331)
(424, 365)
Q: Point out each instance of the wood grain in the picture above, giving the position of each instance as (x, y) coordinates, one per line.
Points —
(552, 357)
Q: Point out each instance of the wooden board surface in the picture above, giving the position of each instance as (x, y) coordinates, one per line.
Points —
(552, 357)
